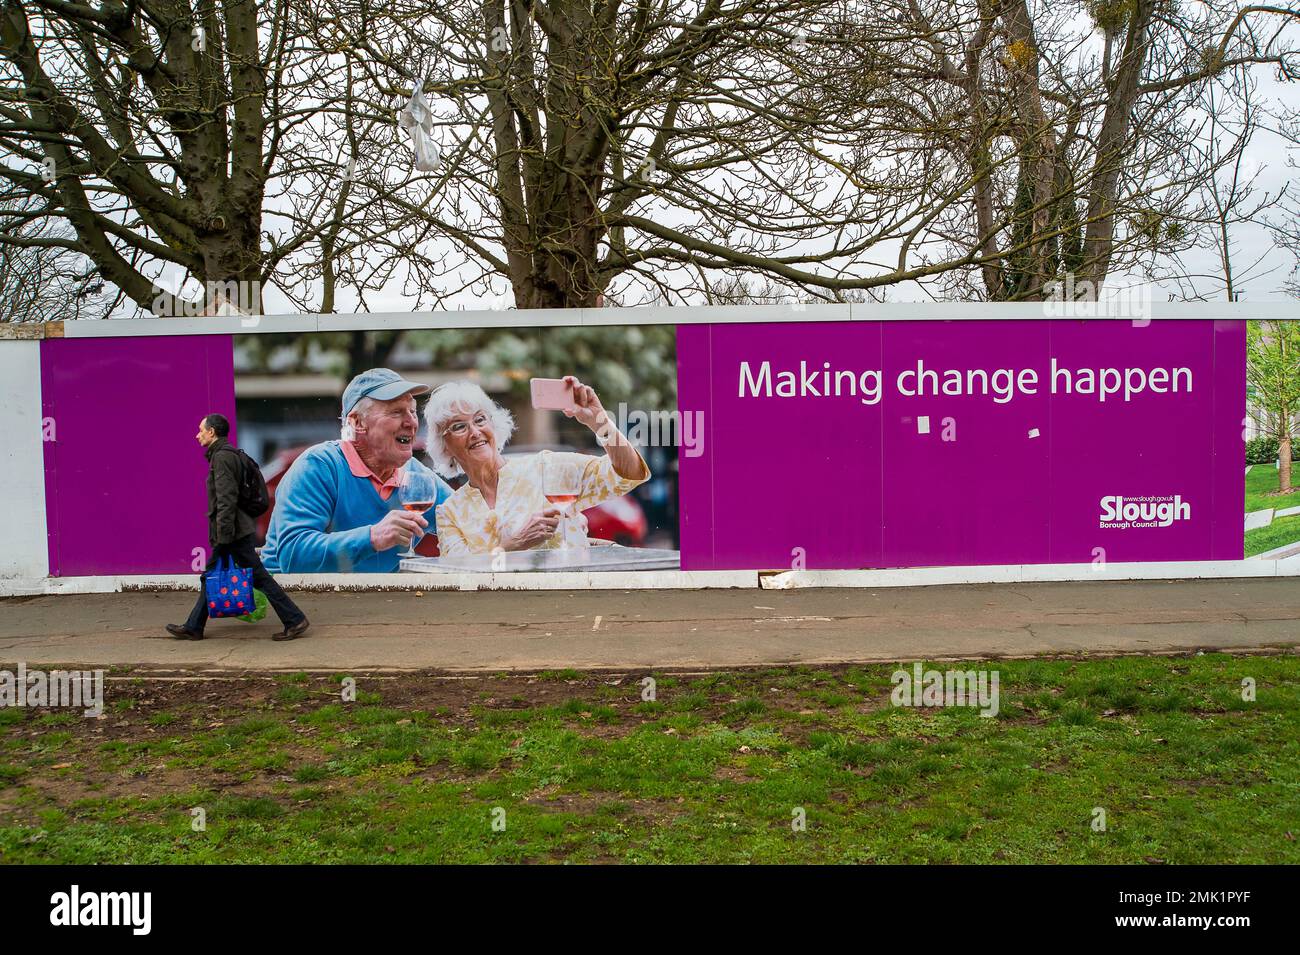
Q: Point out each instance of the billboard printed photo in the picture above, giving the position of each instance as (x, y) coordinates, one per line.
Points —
(518, 449)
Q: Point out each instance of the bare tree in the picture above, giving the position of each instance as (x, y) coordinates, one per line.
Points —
(1230, 195)
(1077, 142)
(617, 150)
(42, 277)
(1285, 224)
(143, 126)
(622, 150)
(185, 139)
(824, 147)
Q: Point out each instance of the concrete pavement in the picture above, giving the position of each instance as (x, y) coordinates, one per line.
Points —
(663, 629)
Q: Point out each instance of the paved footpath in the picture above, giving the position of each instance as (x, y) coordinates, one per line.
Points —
(662, 629)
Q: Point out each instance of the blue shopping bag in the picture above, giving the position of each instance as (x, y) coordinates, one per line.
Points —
(229, 589)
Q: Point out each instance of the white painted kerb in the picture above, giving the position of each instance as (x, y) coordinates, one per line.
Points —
(689, 580)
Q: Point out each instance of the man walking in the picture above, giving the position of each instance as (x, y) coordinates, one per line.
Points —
(230, 534)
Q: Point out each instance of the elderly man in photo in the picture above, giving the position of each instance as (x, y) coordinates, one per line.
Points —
(335, 508)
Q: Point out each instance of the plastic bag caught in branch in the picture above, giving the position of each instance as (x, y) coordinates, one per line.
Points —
(417, 119)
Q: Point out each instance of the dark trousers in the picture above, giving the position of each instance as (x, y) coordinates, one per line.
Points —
(245, 555)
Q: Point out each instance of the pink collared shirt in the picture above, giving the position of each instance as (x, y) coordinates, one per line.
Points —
(359, 469)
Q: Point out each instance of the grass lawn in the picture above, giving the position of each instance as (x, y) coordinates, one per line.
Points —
(1261, 479)
(1283, 530)
(713, 770)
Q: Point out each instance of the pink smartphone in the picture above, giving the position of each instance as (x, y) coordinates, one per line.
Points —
(552, 394)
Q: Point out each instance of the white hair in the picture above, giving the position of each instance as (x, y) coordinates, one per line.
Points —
(361, 409)
(461, 397)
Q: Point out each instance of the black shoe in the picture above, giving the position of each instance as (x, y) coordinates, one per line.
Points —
(179, 632)
(290, 633)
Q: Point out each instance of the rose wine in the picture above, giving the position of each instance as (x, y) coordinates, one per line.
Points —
(562, 500)
(418, 507)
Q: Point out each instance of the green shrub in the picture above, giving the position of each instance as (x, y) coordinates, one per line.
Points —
(1261, 450)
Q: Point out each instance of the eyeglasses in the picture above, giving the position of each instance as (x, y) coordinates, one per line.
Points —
(461, 428)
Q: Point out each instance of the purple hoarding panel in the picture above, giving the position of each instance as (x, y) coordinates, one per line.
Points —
(863, 444)
(124, 477)
(777, 474)
(962, 477)
(1151, 445)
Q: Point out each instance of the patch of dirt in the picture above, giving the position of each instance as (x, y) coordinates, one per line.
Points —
(582, 804)
(63, 789)
(132, 698)
(733, 774)
(627, 809)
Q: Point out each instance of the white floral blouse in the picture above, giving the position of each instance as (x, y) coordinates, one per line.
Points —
(466, 525)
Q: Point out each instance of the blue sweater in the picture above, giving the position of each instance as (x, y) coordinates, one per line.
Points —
(323, 514)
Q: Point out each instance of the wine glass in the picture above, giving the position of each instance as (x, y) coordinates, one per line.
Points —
(417, 493)
(561, 487)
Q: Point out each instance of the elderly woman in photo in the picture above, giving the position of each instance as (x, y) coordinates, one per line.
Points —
(504, 503)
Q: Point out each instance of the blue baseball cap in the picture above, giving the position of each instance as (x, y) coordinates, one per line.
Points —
(382, 384)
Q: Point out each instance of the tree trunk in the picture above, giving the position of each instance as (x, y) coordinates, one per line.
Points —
(1284, 465)
(1113, 145)
(1037, 149)
(562, 275)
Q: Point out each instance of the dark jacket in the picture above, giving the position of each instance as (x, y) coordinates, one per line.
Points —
(226, 522)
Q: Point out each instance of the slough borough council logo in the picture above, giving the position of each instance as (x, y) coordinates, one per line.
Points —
(1148, 510)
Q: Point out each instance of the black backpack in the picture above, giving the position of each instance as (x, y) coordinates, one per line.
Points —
(254, 499)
